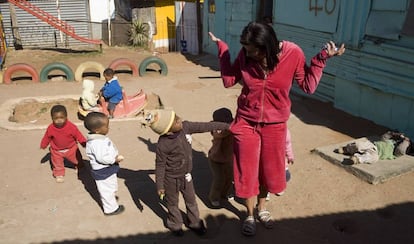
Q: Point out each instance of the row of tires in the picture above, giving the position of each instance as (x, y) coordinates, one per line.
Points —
(43, 76)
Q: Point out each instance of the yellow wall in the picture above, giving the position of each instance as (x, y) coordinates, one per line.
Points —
(165, 19)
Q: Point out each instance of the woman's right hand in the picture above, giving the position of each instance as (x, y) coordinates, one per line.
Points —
(213, 37)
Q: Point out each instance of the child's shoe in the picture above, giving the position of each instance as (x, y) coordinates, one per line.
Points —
(60, 179)
(119, 210)
(268, 197)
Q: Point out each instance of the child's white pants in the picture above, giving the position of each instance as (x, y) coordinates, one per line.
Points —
(107, 189)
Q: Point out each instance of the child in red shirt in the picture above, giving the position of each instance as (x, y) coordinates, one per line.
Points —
(62, 135)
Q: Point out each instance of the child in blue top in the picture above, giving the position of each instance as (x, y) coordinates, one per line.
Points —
(111, 91)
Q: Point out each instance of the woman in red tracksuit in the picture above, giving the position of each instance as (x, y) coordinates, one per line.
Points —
(266, 67)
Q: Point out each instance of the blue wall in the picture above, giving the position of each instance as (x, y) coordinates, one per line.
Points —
(373, 80)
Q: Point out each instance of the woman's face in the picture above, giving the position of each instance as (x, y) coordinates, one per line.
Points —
(254, 52)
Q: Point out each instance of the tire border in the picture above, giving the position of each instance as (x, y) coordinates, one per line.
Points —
(89, 65)
(44, 73)
(124, 61)
(7, 75)
(149, 60)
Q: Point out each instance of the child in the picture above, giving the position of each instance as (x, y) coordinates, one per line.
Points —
(63, 136)
(104, 161)
(220, 157)
(89, 99)
(173, 165)
(111, 91)
(289, 160)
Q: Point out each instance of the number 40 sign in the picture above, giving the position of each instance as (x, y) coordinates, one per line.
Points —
(327, 6)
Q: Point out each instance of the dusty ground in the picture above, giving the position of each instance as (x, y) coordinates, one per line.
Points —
(323, 203)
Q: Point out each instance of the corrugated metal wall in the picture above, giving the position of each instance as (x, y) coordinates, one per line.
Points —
(37, 34)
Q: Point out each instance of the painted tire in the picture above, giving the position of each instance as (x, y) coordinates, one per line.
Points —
(20, 67)
(147, 61)
(124, 61)
(56, 66)
(89, 65)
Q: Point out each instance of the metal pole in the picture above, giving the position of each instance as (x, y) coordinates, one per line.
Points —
(109, 23)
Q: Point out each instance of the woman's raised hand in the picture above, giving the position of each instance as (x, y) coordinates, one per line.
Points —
(213, 37)
(333, 50)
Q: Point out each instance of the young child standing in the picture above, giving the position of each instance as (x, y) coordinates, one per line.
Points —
(220, 157)
(63, 136)
(173, 165)
(104, 159)
(289, 160)
(111, 91)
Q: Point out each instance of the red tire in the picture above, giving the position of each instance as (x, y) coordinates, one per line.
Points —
(7, 77)
(124, 61)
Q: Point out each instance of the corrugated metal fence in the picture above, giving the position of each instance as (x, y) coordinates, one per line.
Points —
(35, 33)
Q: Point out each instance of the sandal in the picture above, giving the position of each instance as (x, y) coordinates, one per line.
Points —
(249, 226)
(265, 218)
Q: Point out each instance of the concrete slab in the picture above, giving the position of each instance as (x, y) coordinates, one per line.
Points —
(378, 172)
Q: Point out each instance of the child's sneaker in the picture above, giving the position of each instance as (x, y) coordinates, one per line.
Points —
(60, 179)
(268, 197)
(119, 210)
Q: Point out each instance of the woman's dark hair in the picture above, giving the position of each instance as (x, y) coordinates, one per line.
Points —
(264, 38)
(58, 109)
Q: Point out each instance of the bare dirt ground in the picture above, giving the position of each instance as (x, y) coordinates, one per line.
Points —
(323, 203)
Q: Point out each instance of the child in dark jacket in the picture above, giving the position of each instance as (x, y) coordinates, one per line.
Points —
(173, 165)
(220, 157)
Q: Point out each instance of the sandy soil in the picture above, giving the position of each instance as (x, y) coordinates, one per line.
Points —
(323, 203)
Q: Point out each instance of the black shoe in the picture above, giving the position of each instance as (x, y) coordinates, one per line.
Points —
(200, 230)
(179, 232)
(120, 209)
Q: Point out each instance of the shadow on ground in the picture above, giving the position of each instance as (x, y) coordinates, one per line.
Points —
(391, 224)
(312, 111)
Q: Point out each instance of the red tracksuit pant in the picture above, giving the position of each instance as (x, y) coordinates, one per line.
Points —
(259, 157)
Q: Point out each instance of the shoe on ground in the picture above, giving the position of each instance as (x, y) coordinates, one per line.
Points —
(60, 179)
(200, 230)
(179, 232)
(119, 210)
(280, 193)
(268, 197)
